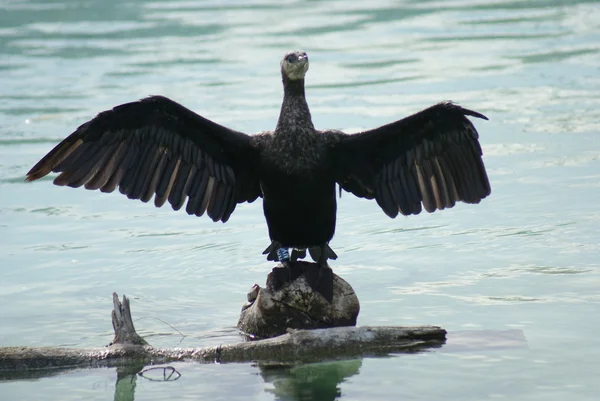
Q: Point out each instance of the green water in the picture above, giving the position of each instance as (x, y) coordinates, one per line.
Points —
(525, 262)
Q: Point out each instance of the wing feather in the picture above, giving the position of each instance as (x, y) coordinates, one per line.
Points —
(208, 192)
(159, 170)
(385, 201)
(127, 185)
(157, 148)
(403, 194)
(470, 185)
(441, 182)
(431, 159)
(425, 189)
(450, 180)
(411, 185)
(72, 156)
(145, 171)
(215, 209)
(121, 169)
(103, 175)
(166, 179)
(180, 186)
(433, 185)
(230, 206)
(91, 159)
(196, 191)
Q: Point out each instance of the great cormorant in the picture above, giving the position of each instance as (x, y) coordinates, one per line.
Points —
(156, 147)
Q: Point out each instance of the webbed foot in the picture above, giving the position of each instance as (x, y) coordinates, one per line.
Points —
(271, 251)
(322, 253)
(298, 253)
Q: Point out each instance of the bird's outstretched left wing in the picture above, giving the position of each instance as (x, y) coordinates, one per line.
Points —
(432, 158)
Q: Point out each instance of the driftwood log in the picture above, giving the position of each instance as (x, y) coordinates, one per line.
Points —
(273, 310)
(293, 347)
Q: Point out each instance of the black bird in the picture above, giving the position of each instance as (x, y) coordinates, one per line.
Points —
(156, 147)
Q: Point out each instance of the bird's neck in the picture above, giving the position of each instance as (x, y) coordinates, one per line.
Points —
(295, 115)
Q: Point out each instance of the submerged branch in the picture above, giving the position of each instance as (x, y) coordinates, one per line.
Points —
(295, 346)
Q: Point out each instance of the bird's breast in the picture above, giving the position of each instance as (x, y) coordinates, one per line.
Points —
(295, 152)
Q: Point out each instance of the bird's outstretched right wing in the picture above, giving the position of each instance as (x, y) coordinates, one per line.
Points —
(156, 147)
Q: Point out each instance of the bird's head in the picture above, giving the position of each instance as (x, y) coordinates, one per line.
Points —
(294, 65)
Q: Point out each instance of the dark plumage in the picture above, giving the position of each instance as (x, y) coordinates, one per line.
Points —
(156, 147)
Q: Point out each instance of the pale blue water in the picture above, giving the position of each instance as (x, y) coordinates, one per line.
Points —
(526, 259)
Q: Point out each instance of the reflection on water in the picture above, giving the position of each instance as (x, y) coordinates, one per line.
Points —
(308, 382)
(126, 382)
(318, 382)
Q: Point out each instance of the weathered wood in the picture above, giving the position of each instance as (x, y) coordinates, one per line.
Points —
(271, 311)
(123, 323)
(295, 346)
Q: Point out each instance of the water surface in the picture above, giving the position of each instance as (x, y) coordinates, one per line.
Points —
(524, 260)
